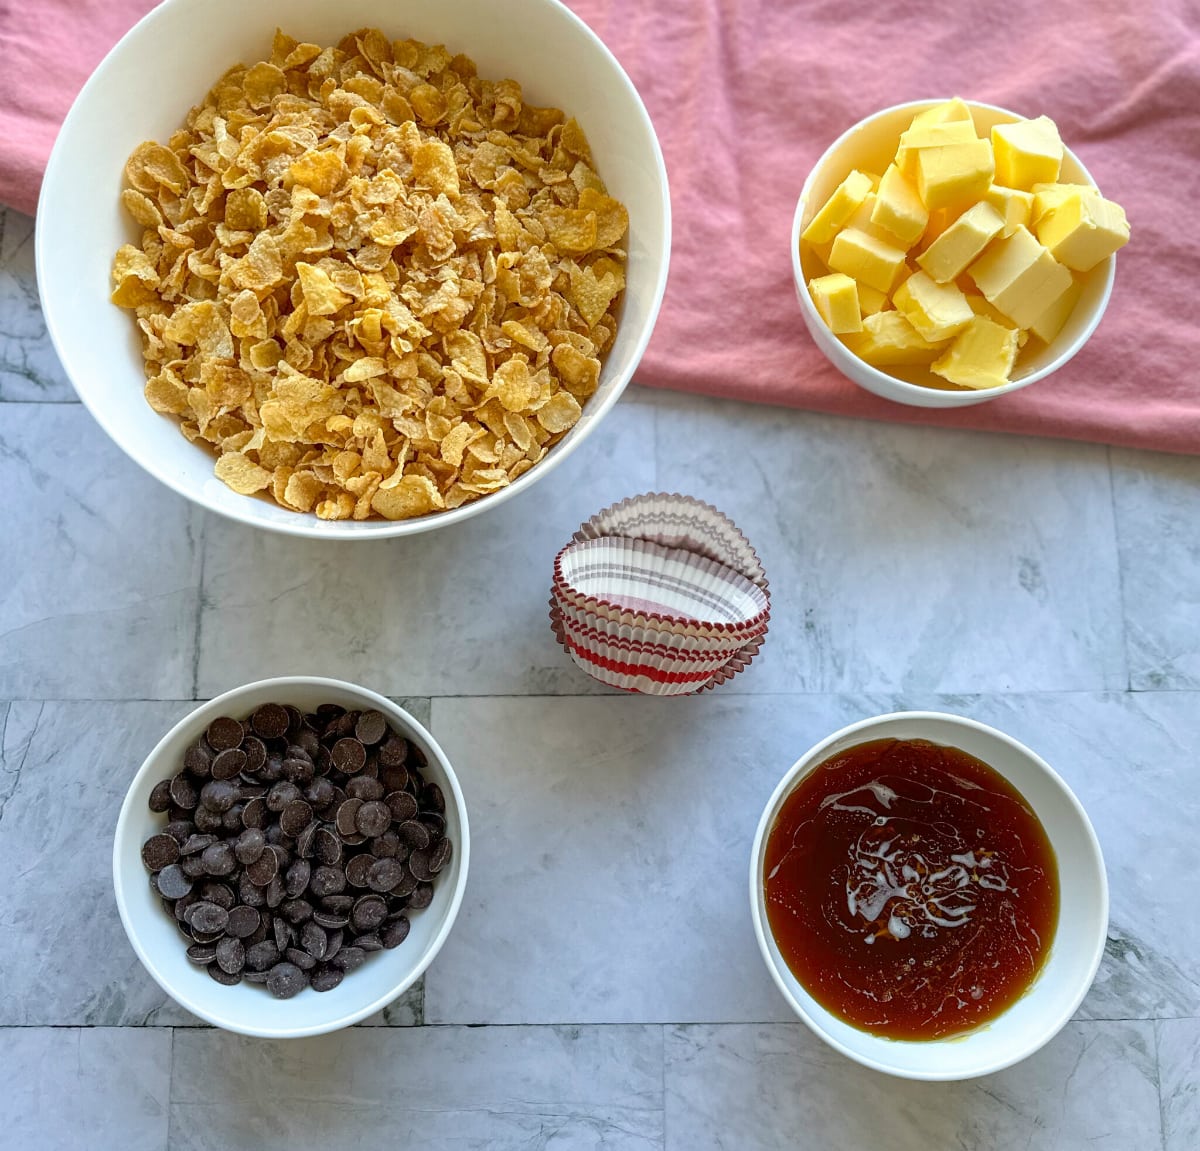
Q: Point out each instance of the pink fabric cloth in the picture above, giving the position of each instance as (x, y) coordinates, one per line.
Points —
(746, 94)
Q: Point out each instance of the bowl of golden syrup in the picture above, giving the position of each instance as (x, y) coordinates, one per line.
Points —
(929, 895)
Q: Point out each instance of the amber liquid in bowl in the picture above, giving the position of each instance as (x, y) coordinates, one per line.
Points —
(910, 889)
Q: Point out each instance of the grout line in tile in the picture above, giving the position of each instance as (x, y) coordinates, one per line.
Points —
(1121, 601)
(38, 403)
(1162, 1111)
(170, 1091)
(205, 1028)
(844, 693)
(662, 1041)
(202, 544)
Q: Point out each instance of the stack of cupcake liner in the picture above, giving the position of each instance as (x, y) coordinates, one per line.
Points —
(660, 594)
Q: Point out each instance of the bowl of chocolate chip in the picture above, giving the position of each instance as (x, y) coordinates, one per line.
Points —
(929, 896)
(291, 857)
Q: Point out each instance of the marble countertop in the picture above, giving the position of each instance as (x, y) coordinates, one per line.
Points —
(602, 987)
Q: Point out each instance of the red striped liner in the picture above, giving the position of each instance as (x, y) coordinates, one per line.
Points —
(709, 662)
(637, 669)
(737, 663)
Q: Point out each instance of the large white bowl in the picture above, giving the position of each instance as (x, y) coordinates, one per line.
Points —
(250, 1009)
(1079, 939)
(143, 90)
(870, 145)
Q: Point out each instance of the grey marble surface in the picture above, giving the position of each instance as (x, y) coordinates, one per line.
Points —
(601, 988)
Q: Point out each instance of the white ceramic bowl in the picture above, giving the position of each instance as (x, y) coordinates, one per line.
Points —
(168, 61)
(870, 145)
(1082, 919)
(249, 1009)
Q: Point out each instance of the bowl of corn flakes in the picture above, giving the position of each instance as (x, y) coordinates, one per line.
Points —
(356, 269)
(949, 252)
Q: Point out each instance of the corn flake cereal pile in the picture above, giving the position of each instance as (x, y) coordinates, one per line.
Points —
(375, 283)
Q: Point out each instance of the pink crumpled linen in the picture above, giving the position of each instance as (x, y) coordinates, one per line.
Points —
(746, 95)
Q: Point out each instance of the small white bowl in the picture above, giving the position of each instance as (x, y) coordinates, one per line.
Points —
(1079, 939)
(250, 1009)
(870, 145)
(143, 89)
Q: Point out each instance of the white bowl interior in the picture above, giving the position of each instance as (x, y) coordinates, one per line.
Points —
(165, 65)
(870, 146)
(247, 1008)
(1082, 922)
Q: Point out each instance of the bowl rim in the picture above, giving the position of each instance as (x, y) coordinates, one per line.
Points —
(307, 525)
(891, 387)
(803, 767)
(216, 706)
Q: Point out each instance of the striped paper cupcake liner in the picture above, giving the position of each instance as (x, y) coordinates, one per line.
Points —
(666, 587)
(678, 521)
(660, 594)
(625, 671)
(652, 638)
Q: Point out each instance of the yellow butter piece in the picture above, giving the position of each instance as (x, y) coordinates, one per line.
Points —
(954, 173)
(866, 258)
(1048, 197)
(981, 307)
(937, 311)
(1020, 277)
(821, 251)
(1015, 206)
(1083, 230)
(950, 254)
(888, 338)
(898, 208)
(1047, 326)
(871, 300)
(836, 298)
(862, 219)
(954, 109)
(933, 135)
(981, 355)
(939, 220)
(838, 208)
(1028, 152)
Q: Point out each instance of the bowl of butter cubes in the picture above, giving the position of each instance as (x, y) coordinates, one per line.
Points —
(947, 252)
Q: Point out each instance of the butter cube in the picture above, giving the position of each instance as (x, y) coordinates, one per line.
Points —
(888, 338)
(939, 220)
(821, 251)
(1084, 230)
(1020, 277)
(1049, 197)
(838, 208)
(930, 136)
(981, 356)
(981, 307)
(871, 300)
(1047, 326)
(949, 255)
(862, 219)
(937, 311)
(836, 298)
(1014, 205)
(955, 109)
(867, 259)
(898, 208)
(954, 173)
(1028, 152)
